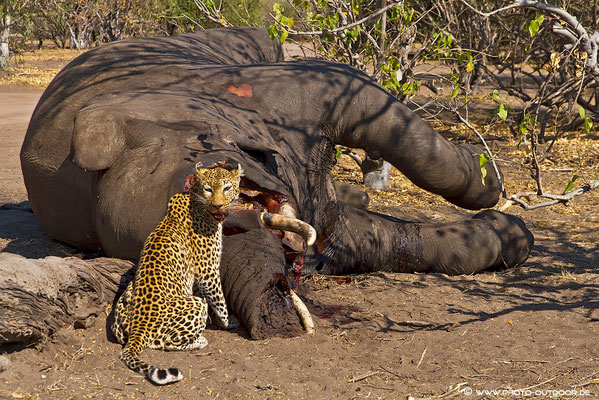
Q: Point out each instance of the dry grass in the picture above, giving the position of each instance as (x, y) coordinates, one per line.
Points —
(36, 68)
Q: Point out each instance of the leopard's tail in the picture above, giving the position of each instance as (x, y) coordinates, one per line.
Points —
(158, 376)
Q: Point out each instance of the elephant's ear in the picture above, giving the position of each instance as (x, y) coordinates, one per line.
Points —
(189, 181)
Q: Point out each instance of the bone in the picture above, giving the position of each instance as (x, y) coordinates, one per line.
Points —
(303, 313)
(282, 222)
(291, 239)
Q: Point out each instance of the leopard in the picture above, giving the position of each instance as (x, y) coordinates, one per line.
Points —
(158, 309)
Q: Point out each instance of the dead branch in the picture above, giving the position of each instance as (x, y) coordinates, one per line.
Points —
(554, 198)
(212, 13)
(363, 376)
(421, 357)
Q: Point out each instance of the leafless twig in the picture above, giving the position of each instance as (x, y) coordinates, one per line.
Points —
(421, 357)
(555, 198)
(364, 376)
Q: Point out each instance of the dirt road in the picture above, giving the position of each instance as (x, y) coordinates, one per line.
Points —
(16, 106)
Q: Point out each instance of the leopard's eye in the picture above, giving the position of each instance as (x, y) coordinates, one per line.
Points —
(227, 187)
(207, 189)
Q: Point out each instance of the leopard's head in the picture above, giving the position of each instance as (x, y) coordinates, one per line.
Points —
(216, 188)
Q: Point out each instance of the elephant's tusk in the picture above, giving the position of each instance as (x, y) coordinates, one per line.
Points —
(278, 221)
(303, 313)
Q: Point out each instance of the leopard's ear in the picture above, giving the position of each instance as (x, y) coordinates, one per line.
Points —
(240, 171)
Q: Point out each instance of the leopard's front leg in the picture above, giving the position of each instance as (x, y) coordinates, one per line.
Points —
(211, 289)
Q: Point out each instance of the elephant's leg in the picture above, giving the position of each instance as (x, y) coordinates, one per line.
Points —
(361, 241)
(351, 195)
(489, 240)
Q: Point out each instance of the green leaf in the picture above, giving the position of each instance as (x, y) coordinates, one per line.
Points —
(483, 172)
(469, 66)
(389, 85)
(502, 112)
(287, 21)
(483, 159)
(495, 95)
(587, 125)
(570, 184)
(535, 24)
(455, 91)
(337, 152)
(416, 86)
(581, 112)
(523, 127)
(273, 32)
(283, 37)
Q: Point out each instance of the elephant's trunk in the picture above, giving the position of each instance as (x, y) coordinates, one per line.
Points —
(255, 286)
(382, 126)
(363, 241)
(346, 106)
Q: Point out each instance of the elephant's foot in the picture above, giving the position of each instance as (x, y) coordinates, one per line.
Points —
(489, 240)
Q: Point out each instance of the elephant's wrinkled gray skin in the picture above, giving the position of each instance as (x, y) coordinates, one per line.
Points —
(116, 132)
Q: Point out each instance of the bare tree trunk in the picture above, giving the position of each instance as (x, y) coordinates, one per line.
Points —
(595, 21)
(4, 33)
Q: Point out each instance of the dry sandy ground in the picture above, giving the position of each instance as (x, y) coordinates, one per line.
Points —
(528, 331)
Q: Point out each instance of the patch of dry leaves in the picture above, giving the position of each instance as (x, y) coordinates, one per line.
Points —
(36, 68)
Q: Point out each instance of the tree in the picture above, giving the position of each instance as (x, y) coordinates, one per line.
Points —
(5, 24)
(552, 48)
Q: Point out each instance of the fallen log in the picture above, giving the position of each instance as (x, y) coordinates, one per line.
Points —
(39, 296)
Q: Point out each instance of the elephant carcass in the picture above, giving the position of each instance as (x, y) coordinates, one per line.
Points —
(118, 129)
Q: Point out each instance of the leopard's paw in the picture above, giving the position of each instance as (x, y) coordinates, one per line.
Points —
(232, 322)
